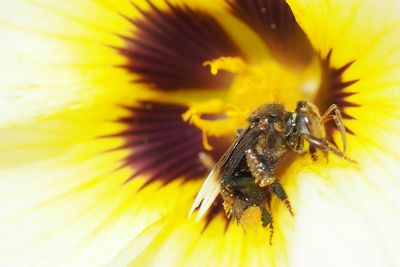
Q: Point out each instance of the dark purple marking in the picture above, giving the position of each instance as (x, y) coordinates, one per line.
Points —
(274, 22)
(169, 46)
(164, 147)
(332, 92)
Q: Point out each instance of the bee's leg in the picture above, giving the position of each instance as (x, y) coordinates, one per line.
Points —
(338, 121)
(298, 146)
(324, 146)
(313, 153)
(244, 188)
(242, 210)
(234, 201)
(241, 193)
(266, 218)
(263, 175)
(277, 188)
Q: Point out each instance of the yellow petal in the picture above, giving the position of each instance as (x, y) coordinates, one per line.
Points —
(355, 206)
(62, 198)
(62, 201)
(58, 56)
(183, 243)
(368, 33)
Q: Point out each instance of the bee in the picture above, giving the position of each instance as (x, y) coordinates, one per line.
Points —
(245, 176)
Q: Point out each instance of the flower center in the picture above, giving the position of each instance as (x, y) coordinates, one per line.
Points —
(206, 73)
(253, 86)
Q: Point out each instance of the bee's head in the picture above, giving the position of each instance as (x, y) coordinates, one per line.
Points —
(269, 116)
(308, 119)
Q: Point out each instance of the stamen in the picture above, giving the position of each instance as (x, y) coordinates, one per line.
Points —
(217, 127)
(206, 145)
(230, 64)
(207, 160)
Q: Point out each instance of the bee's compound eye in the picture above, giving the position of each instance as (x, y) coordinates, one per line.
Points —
(272, 118)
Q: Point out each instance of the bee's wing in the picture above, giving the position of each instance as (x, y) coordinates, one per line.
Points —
(207, 194)
(225, 167)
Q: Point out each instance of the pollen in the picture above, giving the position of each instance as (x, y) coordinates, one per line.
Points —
(251, 218)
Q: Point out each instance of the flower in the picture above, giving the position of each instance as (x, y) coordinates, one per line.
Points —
(112, 112)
